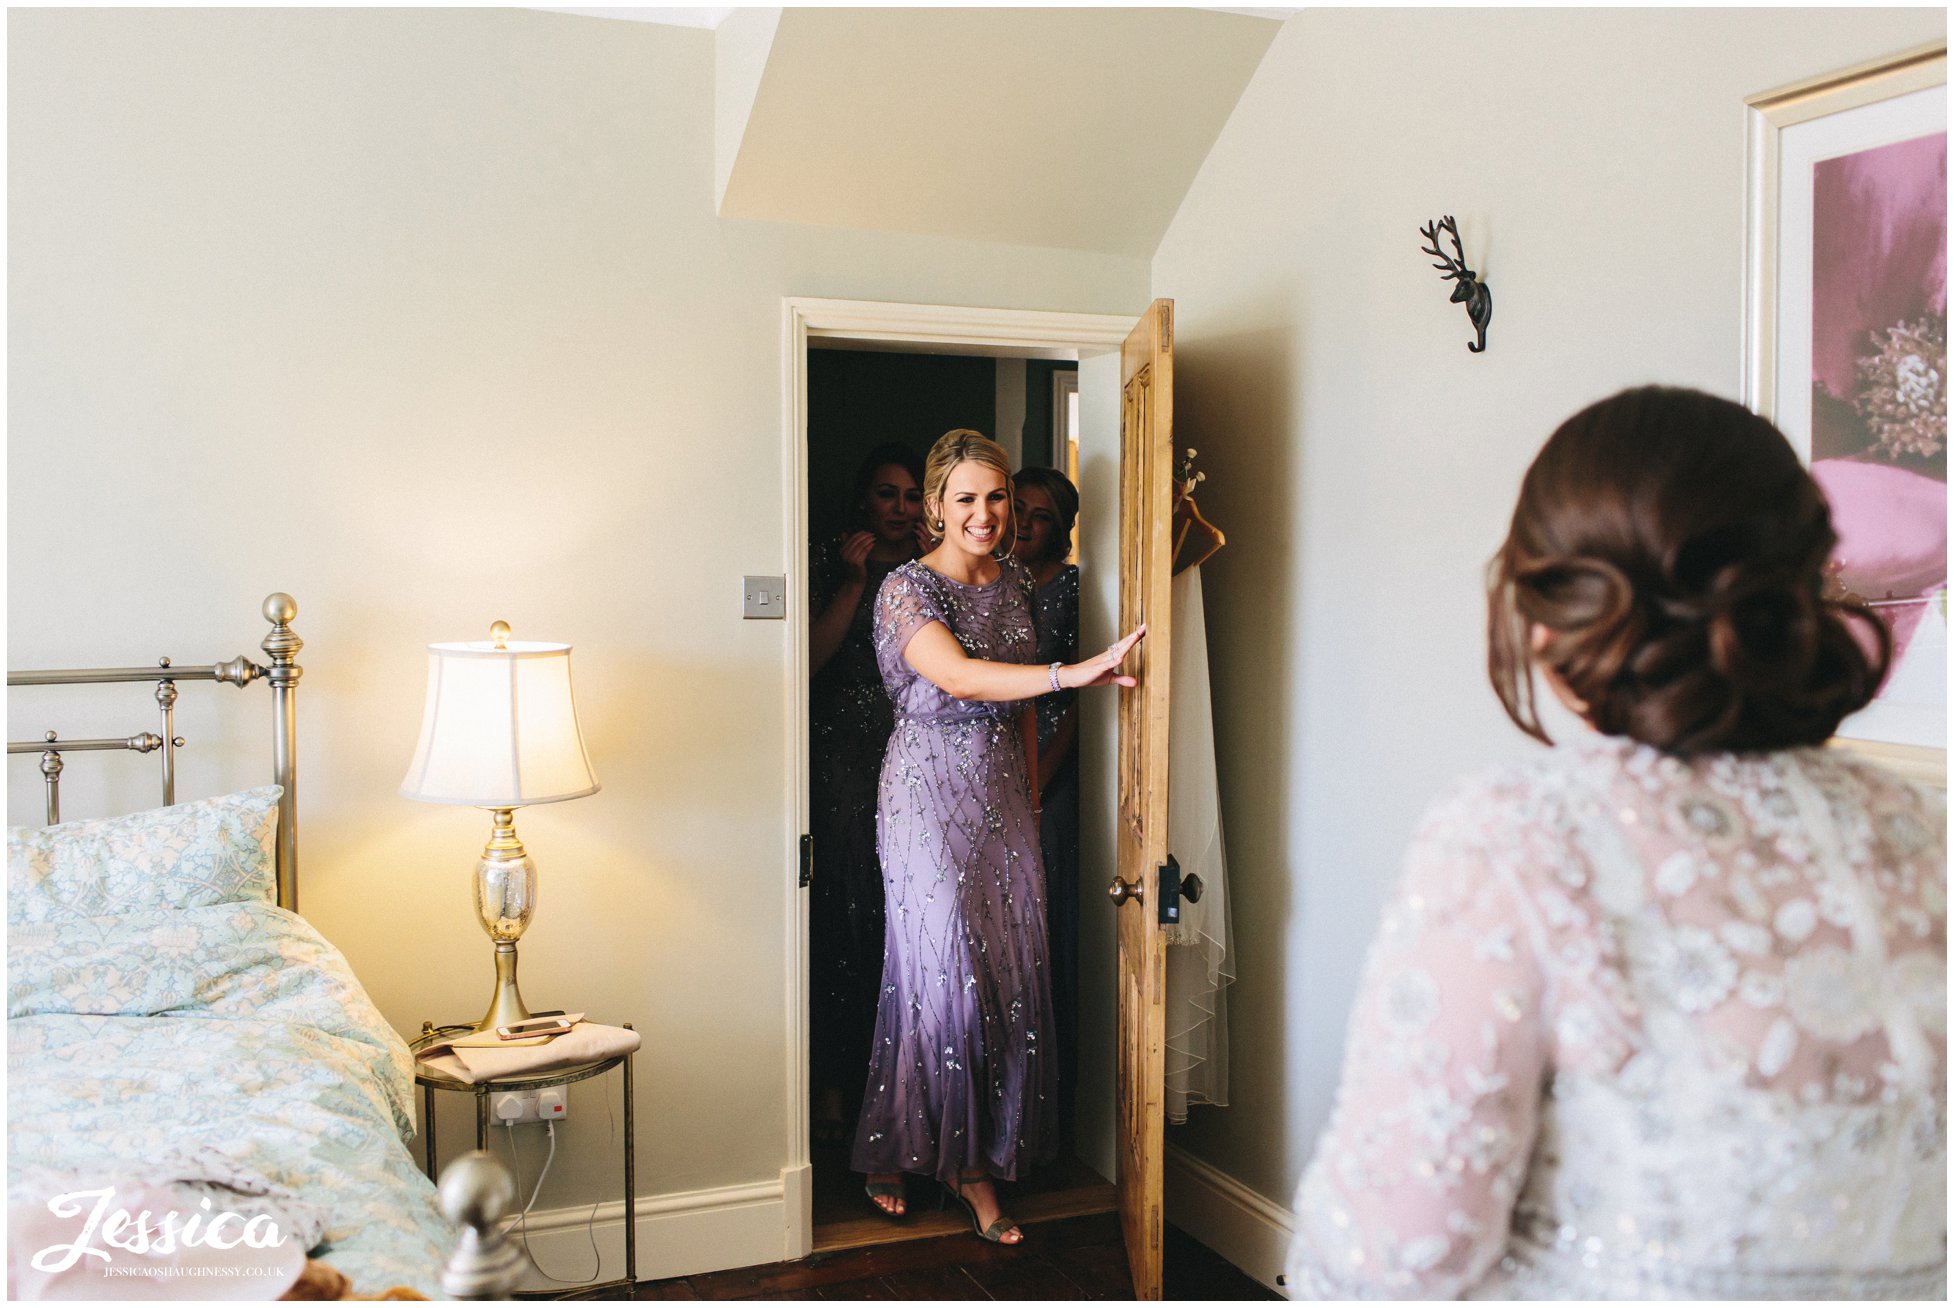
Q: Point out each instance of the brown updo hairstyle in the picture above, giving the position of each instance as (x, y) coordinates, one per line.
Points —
(1673, 549)
(1065, 499)
(965, 445)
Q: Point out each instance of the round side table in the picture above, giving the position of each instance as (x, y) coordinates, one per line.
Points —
(431, 1081)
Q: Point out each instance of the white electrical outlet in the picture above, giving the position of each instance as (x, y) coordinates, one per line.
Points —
(519, 1106)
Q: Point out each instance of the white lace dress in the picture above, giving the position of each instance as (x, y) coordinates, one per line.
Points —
(1638, 1027)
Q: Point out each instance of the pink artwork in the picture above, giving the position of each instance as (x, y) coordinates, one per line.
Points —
(1879, 365)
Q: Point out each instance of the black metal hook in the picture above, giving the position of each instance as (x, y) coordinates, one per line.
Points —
(1470, 291)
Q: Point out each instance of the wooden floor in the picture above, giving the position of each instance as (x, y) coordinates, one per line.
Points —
(1064, 1258)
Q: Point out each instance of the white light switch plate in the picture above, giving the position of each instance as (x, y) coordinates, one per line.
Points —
(765, 597)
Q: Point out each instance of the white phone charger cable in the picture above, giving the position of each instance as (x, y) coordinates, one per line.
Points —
(522, 1218)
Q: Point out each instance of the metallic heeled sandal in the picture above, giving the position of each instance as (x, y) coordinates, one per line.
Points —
(888, 1190)
(995, 1232)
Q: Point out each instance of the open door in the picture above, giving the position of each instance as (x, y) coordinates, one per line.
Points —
(1138, 893)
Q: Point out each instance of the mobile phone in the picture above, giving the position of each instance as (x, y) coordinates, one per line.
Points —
(529, 1028)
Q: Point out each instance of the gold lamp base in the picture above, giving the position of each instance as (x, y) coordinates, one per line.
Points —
(507, 1006)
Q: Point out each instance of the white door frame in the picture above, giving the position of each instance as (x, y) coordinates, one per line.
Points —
(932, 328)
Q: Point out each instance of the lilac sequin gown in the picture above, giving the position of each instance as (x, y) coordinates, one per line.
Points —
(960, 1076)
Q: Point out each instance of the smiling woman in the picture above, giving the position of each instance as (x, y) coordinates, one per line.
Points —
(961, 1080)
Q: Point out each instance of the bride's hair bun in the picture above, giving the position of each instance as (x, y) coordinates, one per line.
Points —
(1666, 562)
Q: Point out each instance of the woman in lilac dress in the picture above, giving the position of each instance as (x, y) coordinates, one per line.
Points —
(960, 1084)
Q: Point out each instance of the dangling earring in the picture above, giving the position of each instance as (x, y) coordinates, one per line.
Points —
(936, 527)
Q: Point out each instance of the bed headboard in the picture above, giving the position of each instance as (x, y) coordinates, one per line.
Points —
(281, 647)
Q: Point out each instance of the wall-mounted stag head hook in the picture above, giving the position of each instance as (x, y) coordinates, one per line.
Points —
(1470, 291)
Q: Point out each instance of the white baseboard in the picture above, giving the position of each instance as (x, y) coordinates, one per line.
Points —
(745, 1225)
(1244, 1226)
(678, 1234)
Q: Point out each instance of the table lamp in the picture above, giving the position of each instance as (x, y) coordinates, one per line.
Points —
(500, 731)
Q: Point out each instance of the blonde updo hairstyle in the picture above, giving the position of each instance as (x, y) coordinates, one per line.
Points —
(963, 445)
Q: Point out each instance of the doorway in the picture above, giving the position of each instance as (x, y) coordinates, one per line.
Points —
(860, 375)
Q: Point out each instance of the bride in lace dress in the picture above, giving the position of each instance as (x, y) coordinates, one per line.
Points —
(1662, 1013)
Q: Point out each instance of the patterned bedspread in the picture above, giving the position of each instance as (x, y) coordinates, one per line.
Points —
(225, 1051)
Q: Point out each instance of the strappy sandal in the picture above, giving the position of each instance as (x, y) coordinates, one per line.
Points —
(888, 1190)
(997, 1230)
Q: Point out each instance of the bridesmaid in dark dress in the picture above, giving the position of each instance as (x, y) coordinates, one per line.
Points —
(1045, 508)
(957, 1086)
(849, 720)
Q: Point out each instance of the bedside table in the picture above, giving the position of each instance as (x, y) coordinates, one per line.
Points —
(431, 1081)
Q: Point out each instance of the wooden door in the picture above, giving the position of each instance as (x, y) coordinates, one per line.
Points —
(1145, 567)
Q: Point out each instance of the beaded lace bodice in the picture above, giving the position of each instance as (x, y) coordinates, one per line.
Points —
(1636, 1026)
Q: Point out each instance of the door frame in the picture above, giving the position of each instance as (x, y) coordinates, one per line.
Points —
(917, 328)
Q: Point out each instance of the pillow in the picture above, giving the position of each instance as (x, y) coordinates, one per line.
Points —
(209, 851)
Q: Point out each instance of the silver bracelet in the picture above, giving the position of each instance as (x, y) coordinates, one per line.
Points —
(1054, 671)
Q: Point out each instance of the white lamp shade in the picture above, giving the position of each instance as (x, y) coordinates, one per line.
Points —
(500, 728)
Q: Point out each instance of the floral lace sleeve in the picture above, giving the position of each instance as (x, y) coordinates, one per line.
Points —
(1412, 1186)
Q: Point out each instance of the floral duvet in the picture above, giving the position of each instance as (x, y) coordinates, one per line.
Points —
(222, 1051)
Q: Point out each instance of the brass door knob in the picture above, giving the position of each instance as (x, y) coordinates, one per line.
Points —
(1191, 888)
(1121, 891)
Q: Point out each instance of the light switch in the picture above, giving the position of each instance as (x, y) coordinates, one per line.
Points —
(766, 597)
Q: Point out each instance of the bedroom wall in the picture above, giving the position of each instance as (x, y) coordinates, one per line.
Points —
(1363, 463)
(425, 317)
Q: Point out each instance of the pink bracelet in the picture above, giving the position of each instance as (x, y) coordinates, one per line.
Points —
(1054, 671)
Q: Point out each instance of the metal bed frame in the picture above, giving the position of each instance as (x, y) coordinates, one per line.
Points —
(281, 647)
(476, 1190)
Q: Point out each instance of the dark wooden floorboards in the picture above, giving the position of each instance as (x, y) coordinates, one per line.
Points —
(1070, 1258)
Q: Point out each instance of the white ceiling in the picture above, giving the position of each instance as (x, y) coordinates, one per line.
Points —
(681, 17)
(1070, 128)
(711, 18)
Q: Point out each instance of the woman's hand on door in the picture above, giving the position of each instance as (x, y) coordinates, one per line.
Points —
(1103, 669)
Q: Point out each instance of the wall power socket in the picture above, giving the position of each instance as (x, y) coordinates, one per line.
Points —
(517, 1106)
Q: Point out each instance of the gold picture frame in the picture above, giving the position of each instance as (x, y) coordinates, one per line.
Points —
(1790, 129)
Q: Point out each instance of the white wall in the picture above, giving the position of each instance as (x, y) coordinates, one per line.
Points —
(424, 316)
(1010, 408)
(1363, 463)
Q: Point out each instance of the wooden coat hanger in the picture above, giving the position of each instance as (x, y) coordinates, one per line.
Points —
(1208, 538)
(1189, 521)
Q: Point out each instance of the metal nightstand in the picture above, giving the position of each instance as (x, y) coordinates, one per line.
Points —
(433, 1081)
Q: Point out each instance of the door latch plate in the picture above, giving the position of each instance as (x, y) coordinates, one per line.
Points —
(1169, 896)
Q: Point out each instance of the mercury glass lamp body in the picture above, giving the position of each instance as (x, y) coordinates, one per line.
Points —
(505, 902)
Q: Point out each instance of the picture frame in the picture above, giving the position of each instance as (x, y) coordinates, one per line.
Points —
(1845, 351)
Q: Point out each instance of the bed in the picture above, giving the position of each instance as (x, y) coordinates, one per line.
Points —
(178, 1033)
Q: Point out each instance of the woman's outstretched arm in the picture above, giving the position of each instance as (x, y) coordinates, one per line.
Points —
(935, 654)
